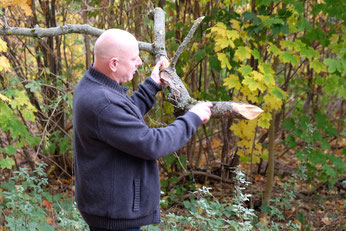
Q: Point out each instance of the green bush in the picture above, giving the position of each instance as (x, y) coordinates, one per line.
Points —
(27, 204)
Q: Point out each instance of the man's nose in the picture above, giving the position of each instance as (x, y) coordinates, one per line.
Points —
(139, 62)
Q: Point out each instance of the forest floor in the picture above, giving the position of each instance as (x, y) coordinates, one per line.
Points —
(316, 206)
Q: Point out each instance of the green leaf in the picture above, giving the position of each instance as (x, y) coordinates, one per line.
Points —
(273, 48)
(278, 93)
(11, 150)
(303, 25)
(170, 159)
(329, 170)
(183, 161)
(287, 57)
(309, 53)
(325, 144)
(333, 65)
(288, 123)
(269, 80)
(7, 163)
(291, 141)
(199, 55)
(245, 69)
(256, 54)
(214, 63)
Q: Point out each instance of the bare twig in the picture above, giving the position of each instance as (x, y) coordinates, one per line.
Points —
(186, 40)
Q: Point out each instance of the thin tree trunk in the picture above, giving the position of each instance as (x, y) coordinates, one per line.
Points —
(271, 160)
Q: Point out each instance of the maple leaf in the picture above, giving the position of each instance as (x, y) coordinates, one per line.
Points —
(333, 65)
(250, 95)
(6, 163)
(253, 84)
(272, 101)
(264, 120)
(309, 53)
(242, 53)
(232, 34)
(232, 81)
(274, 49)
(235, 24)
(318, 66)
(245, 69)
(4, 64)
(3, 46)
(287, 57)
(224, 60)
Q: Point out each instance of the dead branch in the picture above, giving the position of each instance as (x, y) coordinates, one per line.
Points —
(186, 40)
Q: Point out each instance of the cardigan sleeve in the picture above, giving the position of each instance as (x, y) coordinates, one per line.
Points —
(129, 134)
(144, 98)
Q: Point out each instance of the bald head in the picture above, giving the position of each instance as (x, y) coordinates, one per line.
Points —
(117, 55)
(113, 42)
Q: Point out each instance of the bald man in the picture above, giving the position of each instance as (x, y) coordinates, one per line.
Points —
(117, 179)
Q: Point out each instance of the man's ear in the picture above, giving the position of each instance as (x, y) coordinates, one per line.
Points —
(113, 64)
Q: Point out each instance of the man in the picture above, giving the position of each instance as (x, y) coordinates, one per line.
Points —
(117, 177)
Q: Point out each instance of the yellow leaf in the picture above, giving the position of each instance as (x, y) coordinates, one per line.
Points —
(232, 34)
(232, 81)
(318, 66)
(3, 46)
(235, 24)
(251, 95)
(272, 101)
(24, 5)
(224, 60)
(4, 64)
(264, 120)
(242, 53)
(4, 98)
(257, 76)
(236, 129)
(253, 84)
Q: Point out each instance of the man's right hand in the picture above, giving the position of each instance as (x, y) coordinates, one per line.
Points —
(202, 109)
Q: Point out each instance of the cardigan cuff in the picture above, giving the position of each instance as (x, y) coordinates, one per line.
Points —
(152, 84)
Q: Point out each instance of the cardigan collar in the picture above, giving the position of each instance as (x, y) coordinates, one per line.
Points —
(99, 77)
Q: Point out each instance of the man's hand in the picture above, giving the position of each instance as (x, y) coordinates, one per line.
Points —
(155, 74)
(202, 109)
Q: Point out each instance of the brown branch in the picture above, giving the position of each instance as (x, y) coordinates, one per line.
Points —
(61, 30)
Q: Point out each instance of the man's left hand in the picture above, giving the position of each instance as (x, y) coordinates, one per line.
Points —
(161, 64)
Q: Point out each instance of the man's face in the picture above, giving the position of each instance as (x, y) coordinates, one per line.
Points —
(128, 63)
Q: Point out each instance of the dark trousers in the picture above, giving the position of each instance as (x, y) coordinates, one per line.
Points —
(101, 229)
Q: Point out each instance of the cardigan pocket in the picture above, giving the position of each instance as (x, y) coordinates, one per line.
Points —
(137, 194)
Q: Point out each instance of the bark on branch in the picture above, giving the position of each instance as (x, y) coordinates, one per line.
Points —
(178, 94)
(61, 30)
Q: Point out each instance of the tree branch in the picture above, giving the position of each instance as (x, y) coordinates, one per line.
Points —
(61, 30)
(186, 40)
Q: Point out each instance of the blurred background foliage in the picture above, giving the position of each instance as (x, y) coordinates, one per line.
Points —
(288, 57)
